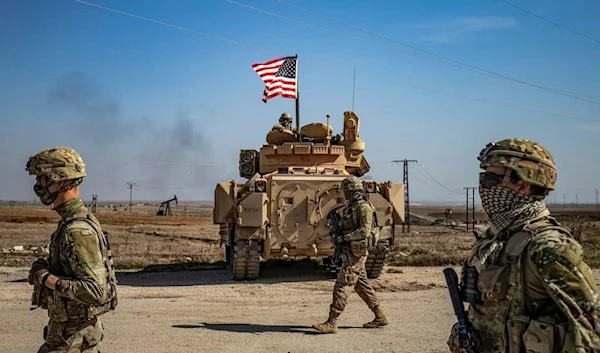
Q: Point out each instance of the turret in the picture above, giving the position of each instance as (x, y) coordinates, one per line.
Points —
(318, 152)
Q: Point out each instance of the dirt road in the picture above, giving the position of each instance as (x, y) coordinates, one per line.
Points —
(205, 311)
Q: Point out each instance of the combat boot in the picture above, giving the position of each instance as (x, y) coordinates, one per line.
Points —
(380, 319)
(329, 326)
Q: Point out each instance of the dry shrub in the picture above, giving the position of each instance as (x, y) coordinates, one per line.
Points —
(587, 233)
(137, 240)
(580, 227)
(430, 246)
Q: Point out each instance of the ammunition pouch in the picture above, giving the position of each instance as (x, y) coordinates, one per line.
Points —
(493, 282)
(358, 248)
(61, 309)
(470, 287)
(545, 337)
(515, 328)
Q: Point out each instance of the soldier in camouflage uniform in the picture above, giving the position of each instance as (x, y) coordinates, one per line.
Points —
(527, 285)
(285, 123)
(77, 283)
(357, 226)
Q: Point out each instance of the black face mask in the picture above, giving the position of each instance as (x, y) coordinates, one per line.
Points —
(46, 197)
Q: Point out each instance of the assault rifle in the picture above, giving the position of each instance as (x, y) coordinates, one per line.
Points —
(466, 339)
(333, 219)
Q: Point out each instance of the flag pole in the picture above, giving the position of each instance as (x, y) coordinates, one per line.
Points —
(353, 85)
(297, 103)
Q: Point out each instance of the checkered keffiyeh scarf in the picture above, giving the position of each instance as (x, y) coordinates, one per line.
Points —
(505, 207)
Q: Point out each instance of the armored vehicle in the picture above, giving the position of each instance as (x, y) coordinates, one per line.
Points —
(294, 181)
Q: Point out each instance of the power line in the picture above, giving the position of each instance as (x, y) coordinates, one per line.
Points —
(425, 182)
(163, 23)
(502, 105)
(551, 22)
(384, 79)
(434, 179)
(472, 67)
(130, 185)
(473, 204)
(330, 31)
(441, 197)
(406, 194)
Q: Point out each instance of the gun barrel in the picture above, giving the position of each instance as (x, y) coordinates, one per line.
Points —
(452, 281)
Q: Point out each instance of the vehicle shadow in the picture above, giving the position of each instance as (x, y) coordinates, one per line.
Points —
(255, 328)
(272, 271)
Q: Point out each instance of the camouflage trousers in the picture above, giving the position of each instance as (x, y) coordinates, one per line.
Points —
(73, 336)
(352, 275)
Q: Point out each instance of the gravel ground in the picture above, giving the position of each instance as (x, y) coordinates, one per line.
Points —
(204, 311)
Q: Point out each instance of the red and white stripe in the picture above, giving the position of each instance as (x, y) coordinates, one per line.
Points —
(275, 85)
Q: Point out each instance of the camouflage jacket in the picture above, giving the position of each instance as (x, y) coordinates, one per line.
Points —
(537, 293)
(356, 224)
(80, 257)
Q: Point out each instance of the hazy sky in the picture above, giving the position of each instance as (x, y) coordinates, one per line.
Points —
(170, 108)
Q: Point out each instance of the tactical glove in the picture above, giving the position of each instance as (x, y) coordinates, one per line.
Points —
(455, 345)
(39, 267)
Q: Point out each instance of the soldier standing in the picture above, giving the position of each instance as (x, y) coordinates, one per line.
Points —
(356, 225)
(525, 280)
(77, 282)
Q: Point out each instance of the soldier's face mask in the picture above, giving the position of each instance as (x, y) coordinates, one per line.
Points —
(350, 194)
(41, 190)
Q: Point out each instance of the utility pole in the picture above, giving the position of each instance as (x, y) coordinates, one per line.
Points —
(406, 194)
(94, 201)
(597, 199)
(130, 184)
(564, 200)
(473, 204)
(576, 197)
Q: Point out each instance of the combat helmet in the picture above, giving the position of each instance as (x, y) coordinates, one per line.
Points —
(531, 161)
(352, 183)
(285, 117)
(57, 164)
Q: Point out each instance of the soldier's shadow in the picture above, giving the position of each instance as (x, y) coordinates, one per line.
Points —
(256, 328)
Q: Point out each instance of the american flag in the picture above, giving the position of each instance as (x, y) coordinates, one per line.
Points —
(279, 76)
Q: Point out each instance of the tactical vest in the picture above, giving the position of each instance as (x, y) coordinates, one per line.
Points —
(349, 222)
(502, 320)
(60, 308)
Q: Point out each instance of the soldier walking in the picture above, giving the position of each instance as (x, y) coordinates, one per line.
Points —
(356, 226)
(526, 282)
(77, 283)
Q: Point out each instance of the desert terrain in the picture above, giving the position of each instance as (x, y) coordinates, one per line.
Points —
(175, 295)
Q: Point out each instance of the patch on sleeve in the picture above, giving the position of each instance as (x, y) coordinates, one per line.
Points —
(85, 246)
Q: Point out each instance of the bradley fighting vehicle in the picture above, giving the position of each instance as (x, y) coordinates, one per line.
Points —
(294, 181)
